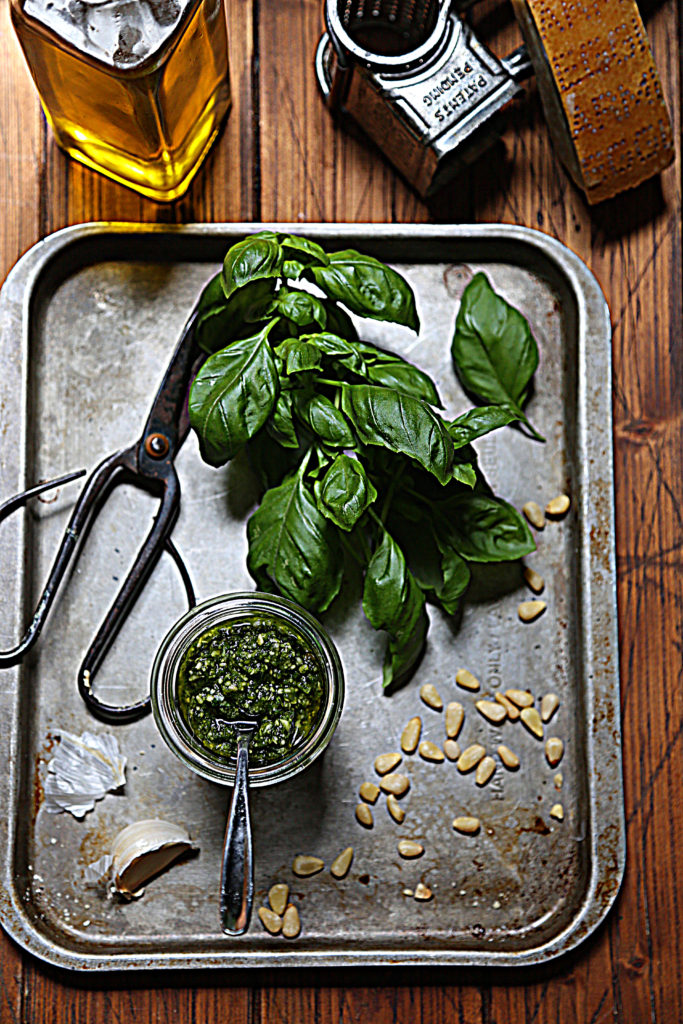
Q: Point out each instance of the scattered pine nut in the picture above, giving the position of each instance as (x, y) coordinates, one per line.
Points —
(431, 696)
(430, 752)
(305, 865)
(532, 721)
(491, 709)
(559, 506)
(511, 709)
(408, 892)
(342, 863)
(277, 897)
(558, 780)
(387, 762)
(557, 811)
(534, 513)
(410, 737)
(451, 749)
(395, 783)
(470, 757)
(508, 757)
(534, 580)
(291, 923)
(368, 792)
(522, 698)
(423, 892)
(549, 705)
(530, 610)
(465, 679)
(364, 815)
(395, 809)
(554, 749)
(409, 848)
(470, 826)
(485, 770)
(455, 715)
(270, 921)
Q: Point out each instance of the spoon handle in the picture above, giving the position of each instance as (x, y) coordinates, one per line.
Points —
(237, 875)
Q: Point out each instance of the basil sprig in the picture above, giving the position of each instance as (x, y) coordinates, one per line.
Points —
(347, 439)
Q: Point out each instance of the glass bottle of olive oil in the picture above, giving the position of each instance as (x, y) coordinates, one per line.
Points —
(136, 89)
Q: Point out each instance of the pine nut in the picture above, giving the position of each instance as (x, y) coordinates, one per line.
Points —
(430, 752)
(430, 695)
(558, 780)
(364, 815)
(451, 749)
(508, 757)
(409, 848)
(395, 809)
(530, 610)
(532, 721)
(387, 762)
(465, 679)
(554, 749)
(557, 811)
(395, 783)
(291, 923)
(470, 757)
(549, 705)
(277, 897)
(534, 514)
(410, 737)
(270, 921)
(423, 892)
(368, 792)
(534, 580)
(455, 715)
(485, 770)
(522, 698)
(305, 865)
(511, 709)
(469, 826)
(559, 506)
(342, 863)
(491, 709)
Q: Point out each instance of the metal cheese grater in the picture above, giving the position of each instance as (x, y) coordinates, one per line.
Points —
(415, 77)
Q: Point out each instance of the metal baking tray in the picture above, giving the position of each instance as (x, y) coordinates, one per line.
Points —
(88, 320)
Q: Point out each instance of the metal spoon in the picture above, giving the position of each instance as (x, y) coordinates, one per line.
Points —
(237, 874)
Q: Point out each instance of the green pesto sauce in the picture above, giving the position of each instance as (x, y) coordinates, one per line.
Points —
(256, 666)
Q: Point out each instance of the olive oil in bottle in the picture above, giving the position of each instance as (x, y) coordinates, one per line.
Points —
(136, 89)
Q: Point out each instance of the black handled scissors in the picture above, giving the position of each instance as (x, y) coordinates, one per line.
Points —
(148, 464)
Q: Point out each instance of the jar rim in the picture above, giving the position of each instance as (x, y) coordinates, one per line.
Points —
(164, 679)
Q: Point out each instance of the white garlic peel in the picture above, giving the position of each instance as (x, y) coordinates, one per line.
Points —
(143, 849)
(83, 770)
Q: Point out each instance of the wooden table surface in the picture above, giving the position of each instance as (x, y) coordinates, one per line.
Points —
(281, 158)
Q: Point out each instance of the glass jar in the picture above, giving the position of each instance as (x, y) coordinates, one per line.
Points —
(136, 89)
(232, 608)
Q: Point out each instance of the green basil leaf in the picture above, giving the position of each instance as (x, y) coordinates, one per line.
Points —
(281, 423)
(221, 320)
(326, 422)
(330, 344)
(385, 417)
(258, 256)
(270, 460)
(345, 492)
(367, 287)
(232, 396)
(295, 546)
(476, 422)
(481, 528)
(292, 269)
(393, 601)
(493, 349)
(406, 378)
(463, 473)
(299, 356)
(454, 582)
(304, 247)
(300, 307)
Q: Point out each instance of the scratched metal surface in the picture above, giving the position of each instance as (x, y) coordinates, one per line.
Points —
(88, 320)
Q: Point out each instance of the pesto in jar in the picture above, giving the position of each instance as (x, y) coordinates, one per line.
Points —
(258, 666)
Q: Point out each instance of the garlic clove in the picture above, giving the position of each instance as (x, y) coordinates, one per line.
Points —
(143, 849)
